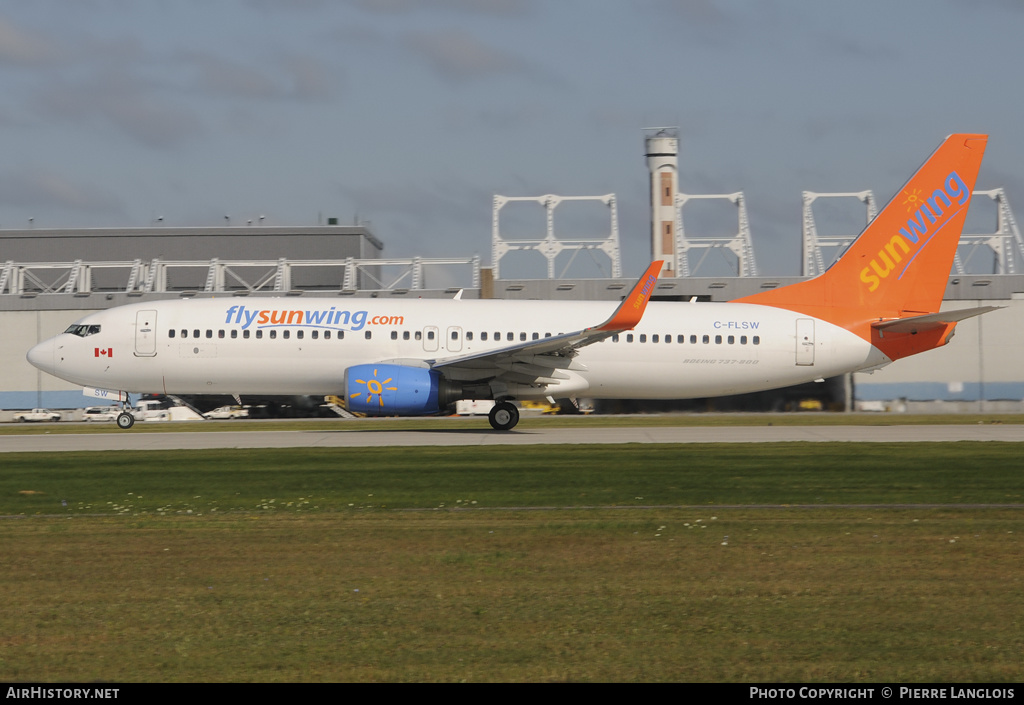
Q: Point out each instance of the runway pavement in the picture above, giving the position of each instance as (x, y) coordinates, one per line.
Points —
(139, 439)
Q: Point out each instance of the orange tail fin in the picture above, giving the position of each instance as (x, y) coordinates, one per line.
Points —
(899, 265)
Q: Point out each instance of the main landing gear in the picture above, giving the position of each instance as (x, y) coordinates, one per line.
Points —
(503, 416)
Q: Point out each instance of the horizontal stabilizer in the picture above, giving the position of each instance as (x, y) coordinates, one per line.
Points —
(930, 321)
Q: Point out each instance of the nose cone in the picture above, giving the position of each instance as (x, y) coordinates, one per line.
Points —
(41, 356)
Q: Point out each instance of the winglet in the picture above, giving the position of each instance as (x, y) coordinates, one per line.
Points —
(631, 310)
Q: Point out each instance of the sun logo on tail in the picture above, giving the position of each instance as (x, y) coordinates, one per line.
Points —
(374, 387)
(913, 200)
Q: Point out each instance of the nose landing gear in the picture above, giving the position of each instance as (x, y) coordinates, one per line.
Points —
(125, 420)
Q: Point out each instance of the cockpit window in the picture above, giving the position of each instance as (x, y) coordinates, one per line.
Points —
(83, 331)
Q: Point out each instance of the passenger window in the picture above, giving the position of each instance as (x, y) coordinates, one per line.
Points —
(394, 335)
(654, 339)
(643, 337)
(743, 340)
(455, 335)
(286, 334)
(706, 339)
(327, 335)
(273, 334)
(757, 340)
(469, 335)
(234, 333)
(681, 339)
(615, 338)
(300, 334)
(315, 334)
(368, 335)
(245, 334)
(405, 335)
(195, 333)
(220, 334)
(629, 337)
(522, 336)
(259, 335)
(419, 335)
(483, 336)
(184, 333)
(718, 340)
(693, 339)
(170, 333)
(430, 335)
(209, 333)
(731, 339)
(510, 336)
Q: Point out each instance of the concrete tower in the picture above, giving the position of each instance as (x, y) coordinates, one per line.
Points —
(661, 148)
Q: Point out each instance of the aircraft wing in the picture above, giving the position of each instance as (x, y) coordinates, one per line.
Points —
(920, 324)
(540, 361)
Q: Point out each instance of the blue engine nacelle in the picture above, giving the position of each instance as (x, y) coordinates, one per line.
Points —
(397, 390)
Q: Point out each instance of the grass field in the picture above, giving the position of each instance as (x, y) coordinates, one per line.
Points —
(618, 563)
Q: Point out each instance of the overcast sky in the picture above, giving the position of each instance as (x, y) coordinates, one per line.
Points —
(412, 114)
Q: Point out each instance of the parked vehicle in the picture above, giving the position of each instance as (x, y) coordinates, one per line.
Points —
(101, 413)
(473, 407)
(37, 415)
(227, 412)
(151, 410)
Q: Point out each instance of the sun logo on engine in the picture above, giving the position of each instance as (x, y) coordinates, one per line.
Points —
(375, 387)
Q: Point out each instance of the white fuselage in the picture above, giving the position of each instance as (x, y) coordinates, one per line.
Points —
(296, 346)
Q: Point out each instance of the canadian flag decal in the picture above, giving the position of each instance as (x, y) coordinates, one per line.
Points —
(103, 352)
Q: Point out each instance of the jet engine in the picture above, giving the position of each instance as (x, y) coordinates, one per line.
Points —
(397, 390)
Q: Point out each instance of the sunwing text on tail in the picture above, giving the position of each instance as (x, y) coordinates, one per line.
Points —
(879, 302)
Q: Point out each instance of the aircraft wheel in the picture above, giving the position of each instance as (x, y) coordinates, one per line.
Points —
(125, 420)
(503, 416)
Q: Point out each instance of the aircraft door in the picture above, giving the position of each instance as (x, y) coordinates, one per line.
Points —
(145, 333)
(454, 339)
(430, 338)
(805, 341)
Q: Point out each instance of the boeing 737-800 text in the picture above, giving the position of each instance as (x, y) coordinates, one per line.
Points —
(879, 302)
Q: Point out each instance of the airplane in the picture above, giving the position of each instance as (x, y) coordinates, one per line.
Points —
(877, 303)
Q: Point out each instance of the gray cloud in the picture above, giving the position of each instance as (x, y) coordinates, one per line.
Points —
(458, 56)
(295, 77)
(162, 113)
(44, 189)
(479, 7)
(223, 77)
(21, 48)
(311, 79)
(701, 13)
(125, 101)
(287, 5)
